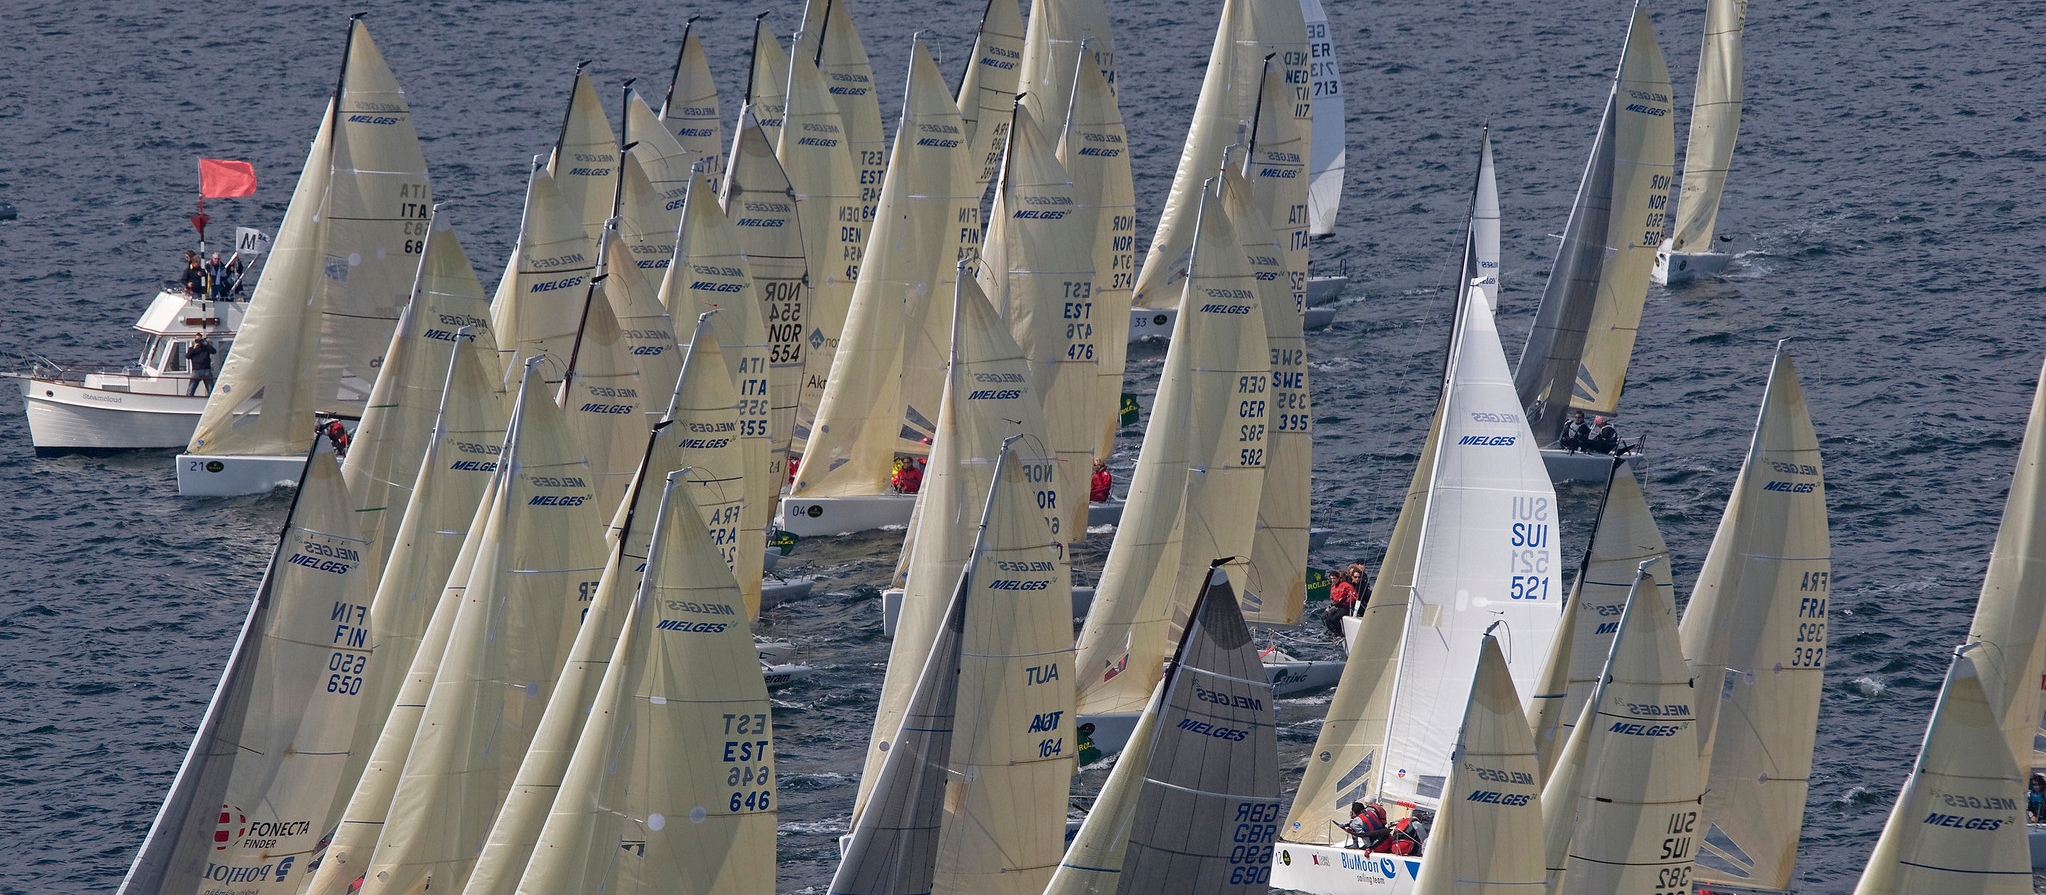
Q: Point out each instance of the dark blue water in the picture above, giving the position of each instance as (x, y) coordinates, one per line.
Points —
(1885, 201)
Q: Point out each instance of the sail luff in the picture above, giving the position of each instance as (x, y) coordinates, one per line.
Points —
(689, 112)
(987, 91)
(585, 160)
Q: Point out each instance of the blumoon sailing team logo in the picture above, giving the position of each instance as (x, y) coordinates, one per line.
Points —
(232, 827)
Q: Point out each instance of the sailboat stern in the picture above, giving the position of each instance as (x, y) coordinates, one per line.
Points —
(230, 475)
(1676, 268)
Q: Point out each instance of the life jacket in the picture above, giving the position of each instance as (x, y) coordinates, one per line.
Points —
(1098, 490)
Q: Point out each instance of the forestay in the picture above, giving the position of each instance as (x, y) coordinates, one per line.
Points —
(672, 785)
(1488, 842)
(1715, 122)
(1576, 355)
(251, 802)
(1755, 633)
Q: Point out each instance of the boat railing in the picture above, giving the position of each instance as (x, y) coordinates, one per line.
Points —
(41, 367)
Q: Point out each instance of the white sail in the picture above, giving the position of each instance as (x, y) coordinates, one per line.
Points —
(770, 237)
(585, 158)
(1637, 823)
(1040, 276)
(988, 399)
(1959, 823)
(1487, 555)
(816, 152)
(1269, 221)
(1058, 34)
(689, 110)
(912, 256)
(1757, 621)
(2010, 616)
(539, 301)
(1329, 151)
(1623, 537)
(767, 84)
(644, 324)
(1201, 466)
(1095, 151)
(1715, 122)
(829, 40)
(534, 571)
(709, 276)
(1488, 842)
(700, 424)
(253, 797)
(1248, 31)
(397, 425)
(1485, 224)
(671, 787)
(606, 401)
(1211, 781)
(1576, 355)
(344, 261)
(362, 822)
(987, 92)
(650, 195)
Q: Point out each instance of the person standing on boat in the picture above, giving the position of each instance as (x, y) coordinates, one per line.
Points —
(216, 274)
(1099, 487)
(195, 276)
(2035, 800)
(201, 356)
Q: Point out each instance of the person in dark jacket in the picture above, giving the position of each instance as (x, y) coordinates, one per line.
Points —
(201, 357)
(194, 279)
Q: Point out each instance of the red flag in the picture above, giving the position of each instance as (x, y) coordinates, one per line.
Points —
(226, 179)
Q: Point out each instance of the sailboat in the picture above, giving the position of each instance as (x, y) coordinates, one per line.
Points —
(816, 152)
(1093, 147)
(987, 91)
(1475, 545)
(1755, 634)
(340, 271)
(1955, 826)
(689, 110)
(1715, 122)
(1576, 354)
(252, 798)
(886, 382)
(1194, 804)
(1327, 156)
(971, 797)
(756, 200)
(671, 787)
(1248, 32)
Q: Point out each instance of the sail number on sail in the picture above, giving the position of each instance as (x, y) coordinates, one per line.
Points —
(1529, 557)
(1257, 826)
(747, 763)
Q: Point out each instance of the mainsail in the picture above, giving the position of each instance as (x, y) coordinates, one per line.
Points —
(339, 273)
(2010, 616)
(816, 152)
(689, 111)
(538, 306)
(585, 160)
(1095, 151)
(1715, 122)
(1485, 224)
(1489, 841)
(1576, 355)
(767, 83)
(1329, 150)
(1755, 633)
(829, 40)
(1062, 36)
(760, 206)
(606, 401)
(252, 800)
(987, 92)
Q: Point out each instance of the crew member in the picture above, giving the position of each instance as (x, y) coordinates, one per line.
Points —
(201, 355)
(195, 276)
(1605, 438)
(1367, 826)
(1098, 491)
(337, 435)
(908, 475)
(1576, 433)
(1343, 599)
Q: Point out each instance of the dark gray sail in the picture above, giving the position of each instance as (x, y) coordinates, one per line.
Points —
(1555, 346)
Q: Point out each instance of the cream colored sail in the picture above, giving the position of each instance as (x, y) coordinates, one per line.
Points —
(539, 300)
(757, 203)
(252, 799)
(877, 385)
(651, 194)
(1201, 466)
(767, 84)
(709, 276)
(1277, 170)
(362, 821)
(989, 398)
(1093, 862)
(1058, 34)
(1959, 824)
(535, 570)
(1095, 151)
(1485, 224)
(1249, 30)
(585, 158)
(987, 92)
(1623, 537)
(1559, 799)
(1757, 622)
(644, 323)
(690, 109)
(1487, 838)
(1576, 355)
(829, 40)
(605, 400)
(1277, 589)
(461, 458)
(1638, 819)
(672, 784)
(2010, 616)
(1715, 122)
(1329, 152)
(398, 424)
(816, 152)
(1040, 276)
(344, 266)
(701, 425)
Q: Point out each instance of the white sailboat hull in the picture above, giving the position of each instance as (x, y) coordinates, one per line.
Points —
(776, 591)
(816, 517)
(1157, 323)
(67, 415)
(1318, 318)
(1324, 288)
(233, 476)
(1674, 268)
(1328, 870)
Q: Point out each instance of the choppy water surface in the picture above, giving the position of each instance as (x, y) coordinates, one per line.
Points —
(1885, 201)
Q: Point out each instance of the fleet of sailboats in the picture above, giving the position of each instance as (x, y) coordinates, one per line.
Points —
(504, 645)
